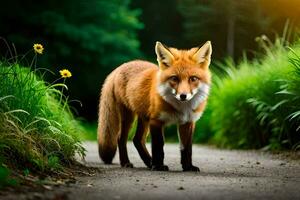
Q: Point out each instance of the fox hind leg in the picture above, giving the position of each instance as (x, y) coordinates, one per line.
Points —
(127, 118)
(139, 141)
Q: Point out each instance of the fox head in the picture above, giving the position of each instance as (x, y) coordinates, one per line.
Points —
(183, 74)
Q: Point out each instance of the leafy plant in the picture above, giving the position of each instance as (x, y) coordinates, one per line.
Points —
(257, 104)
(38, 132)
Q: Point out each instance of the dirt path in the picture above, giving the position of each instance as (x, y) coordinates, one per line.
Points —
(224, 175)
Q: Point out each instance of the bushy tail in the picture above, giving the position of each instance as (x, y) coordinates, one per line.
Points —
(109, 122)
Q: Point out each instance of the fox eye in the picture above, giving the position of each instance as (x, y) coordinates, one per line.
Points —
(174, 78)
(194, 78)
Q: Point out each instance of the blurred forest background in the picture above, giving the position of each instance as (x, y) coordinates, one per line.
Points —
(91, 38)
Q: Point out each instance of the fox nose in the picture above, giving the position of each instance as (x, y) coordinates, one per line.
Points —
(182, 97)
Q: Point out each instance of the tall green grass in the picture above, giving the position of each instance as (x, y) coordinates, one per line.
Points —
(257, 104)
(37, 129)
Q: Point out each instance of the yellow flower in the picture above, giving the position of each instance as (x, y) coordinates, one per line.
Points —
(38, 48)
(65, 73)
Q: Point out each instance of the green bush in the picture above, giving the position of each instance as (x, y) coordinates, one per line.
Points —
(37, 129)
(257, 104)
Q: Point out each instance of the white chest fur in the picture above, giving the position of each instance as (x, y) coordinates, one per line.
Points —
(183, 111)
(180, 118)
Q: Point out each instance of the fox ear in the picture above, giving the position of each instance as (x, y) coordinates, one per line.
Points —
(203, 53)
(164, 56)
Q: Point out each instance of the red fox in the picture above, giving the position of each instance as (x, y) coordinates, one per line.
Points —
(175, 91)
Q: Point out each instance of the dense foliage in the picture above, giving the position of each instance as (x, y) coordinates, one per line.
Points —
(257, 104)
(37, 129)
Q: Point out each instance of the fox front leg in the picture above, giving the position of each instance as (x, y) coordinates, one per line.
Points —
(157, 143)
(186, 132)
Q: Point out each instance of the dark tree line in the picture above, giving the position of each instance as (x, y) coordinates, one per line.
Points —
(232, 25)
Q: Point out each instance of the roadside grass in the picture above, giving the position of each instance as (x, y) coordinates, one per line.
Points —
(257, 104)
(37, 129)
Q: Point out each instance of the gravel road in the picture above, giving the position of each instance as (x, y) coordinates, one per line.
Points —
(225, 174)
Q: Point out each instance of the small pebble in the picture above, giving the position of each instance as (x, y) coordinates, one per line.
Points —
(281, 164)
(180, 188)
(37, 195)
(47, 187)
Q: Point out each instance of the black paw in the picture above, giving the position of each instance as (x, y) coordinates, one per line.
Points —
(191, 168)
(160, 168)
(148, 163)
(127, 165)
